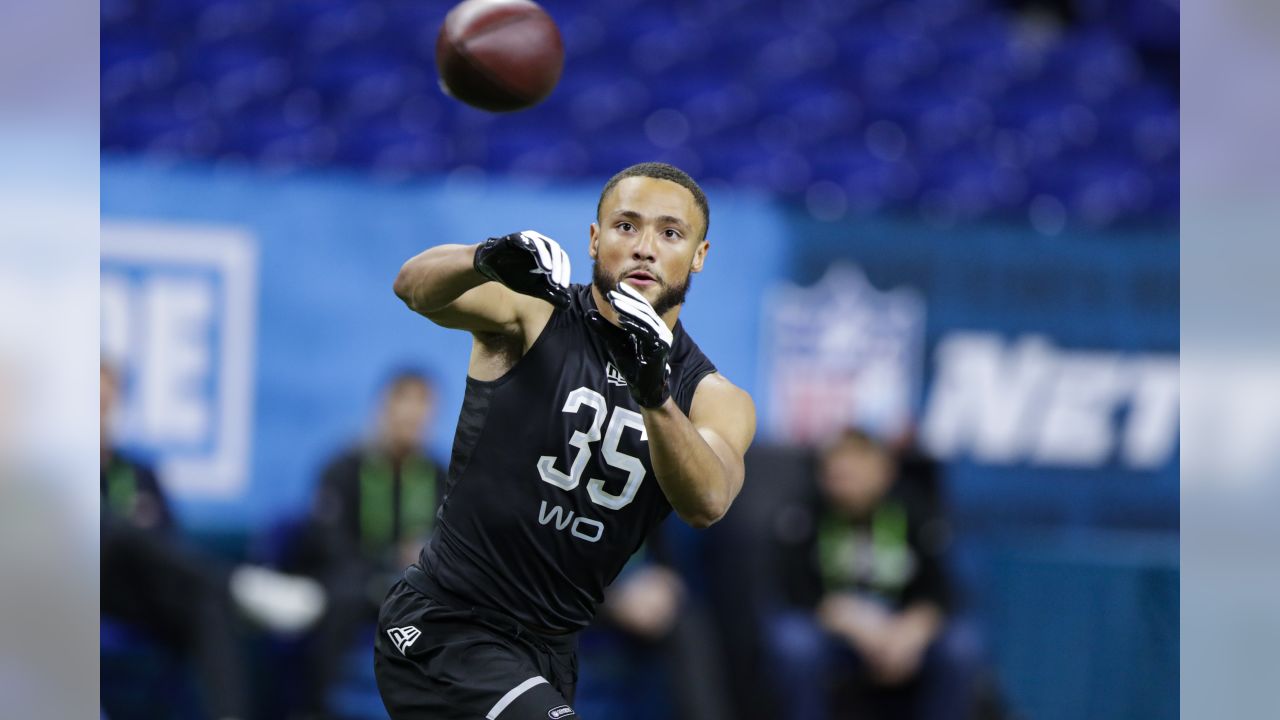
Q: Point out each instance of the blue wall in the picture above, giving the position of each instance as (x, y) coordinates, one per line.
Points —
(1113, 292)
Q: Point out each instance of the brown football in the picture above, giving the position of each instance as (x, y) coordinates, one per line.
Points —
(499, 55)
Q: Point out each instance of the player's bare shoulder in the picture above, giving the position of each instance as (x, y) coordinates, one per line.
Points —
(727, 409)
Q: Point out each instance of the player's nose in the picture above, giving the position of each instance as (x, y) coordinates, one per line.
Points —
(644, 247)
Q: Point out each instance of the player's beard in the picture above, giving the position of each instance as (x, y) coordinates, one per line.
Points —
(669, 296)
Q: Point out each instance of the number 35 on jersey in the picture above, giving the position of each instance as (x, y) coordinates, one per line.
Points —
(587, 400)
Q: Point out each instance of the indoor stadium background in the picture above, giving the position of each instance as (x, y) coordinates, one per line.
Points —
(953, 219)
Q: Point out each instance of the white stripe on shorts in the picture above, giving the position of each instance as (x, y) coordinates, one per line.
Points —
(512, 694)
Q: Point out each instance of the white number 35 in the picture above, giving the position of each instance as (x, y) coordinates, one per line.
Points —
(622, 418)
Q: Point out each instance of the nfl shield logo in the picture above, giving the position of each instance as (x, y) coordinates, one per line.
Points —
(841, 353)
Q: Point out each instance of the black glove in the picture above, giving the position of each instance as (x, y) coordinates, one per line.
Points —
(639, 348)
(527, 262)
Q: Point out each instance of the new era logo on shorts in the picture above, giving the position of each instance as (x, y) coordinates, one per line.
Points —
(403, 637)
(560, 712)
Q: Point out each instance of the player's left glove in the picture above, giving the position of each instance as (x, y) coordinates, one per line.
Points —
(527, 262)
(639, 348)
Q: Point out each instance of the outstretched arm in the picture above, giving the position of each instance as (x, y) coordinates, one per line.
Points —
(699, 459)
(450, 284)
(442, 284)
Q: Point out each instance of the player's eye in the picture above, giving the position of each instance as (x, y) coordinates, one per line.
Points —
(626, 226)
(673, 234)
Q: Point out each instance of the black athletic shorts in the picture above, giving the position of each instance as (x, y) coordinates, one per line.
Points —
(438, 659)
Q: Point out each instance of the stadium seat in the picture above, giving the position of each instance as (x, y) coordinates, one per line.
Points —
(319, 83)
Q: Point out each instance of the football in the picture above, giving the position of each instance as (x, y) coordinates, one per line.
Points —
(499, 55)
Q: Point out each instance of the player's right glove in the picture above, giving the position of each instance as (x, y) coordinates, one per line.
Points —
(527, 262)
(639, 348)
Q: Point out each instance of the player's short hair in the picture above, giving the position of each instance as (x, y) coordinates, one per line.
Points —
(661, 171)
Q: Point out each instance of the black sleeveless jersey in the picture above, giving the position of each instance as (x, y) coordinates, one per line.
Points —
(550, 486)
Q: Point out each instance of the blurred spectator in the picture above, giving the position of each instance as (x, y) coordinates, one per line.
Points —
(655, 634)
(375, 504)
(654, 606)
(878, 630)
(175, 595)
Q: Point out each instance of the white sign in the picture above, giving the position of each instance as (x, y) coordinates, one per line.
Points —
(179, 306)
(1028, 401)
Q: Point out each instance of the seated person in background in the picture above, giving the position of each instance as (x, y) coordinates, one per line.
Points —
(670, 668)
(374, 506)
(882, 611)
(180, 597)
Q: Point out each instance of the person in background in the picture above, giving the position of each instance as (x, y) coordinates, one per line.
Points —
(182, 598)
(661, 625)
(883, 613)
(374, 505)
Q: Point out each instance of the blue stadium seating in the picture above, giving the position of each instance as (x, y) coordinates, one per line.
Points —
(774, 95)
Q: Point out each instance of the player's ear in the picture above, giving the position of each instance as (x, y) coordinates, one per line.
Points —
(593, 233)
(700, 256)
